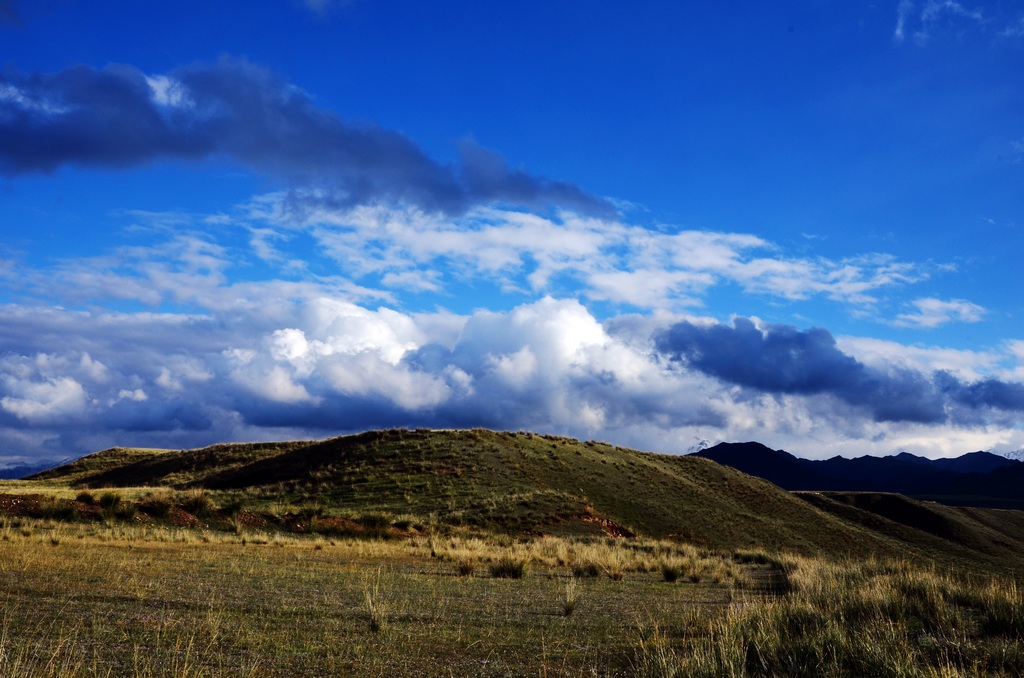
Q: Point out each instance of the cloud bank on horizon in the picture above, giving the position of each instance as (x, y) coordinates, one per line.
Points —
(367, 283)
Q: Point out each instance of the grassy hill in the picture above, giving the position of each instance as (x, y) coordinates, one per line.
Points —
(398, 552)
(536, 484)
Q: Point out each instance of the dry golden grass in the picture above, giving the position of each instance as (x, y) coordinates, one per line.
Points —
(93, 600)
(852, 618)
(90, 599)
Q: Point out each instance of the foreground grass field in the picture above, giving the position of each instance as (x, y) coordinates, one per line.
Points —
(114, 600)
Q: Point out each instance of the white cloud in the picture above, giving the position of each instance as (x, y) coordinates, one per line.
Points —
(933, 312)
(881, 354)
(168, 92)
(137, 395)
(42, 402)
(176, 373)
(275, 384)
(526, 254)
(381, 254)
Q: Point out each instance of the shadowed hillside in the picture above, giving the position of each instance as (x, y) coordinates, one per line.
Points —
(522, 482)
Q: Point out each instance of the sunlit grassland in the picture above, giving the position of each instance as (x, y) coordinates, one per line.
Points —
(110, 600)
(98, 600)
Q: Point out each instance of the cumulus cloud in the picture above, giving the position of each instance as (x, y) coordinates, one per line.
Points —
(972, 365)
(75, 381)
(780, 359)
(329, 366)
(120, 117)
(39, 402)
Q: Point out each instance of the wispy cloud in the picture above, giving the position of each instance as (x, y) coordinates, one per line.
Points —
(923, 20)
(1014, 30)
(386, 254)
(1017, 149)
(903, 12)
(933, 312)
(602, 260)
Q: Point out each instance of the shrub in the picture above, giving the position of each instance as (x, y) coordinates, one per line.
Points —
(157, 506)
(376, 604)
(115, 508)
(671, 572)
(110, 500)
(233, 505)
(56, 509)
(86, 497)
(581, 570)
(508, 567)
(307, 513)
(465, 567)
(376, 524)
(198, 503)
(570, 595)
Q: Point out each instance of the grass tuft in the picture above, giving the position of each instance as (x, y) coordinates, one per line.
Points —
(508, 567)
(570, 596)
(376, 602)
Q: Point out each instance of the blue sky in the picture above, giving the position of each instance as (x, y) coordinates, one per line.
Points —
(653, 225)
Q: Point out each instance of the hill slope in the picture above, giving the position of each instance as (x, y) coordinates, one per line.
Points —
(543, 484)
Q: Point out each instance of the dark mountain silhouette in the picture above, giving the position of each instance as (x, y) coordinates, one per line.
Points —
(974, 479)
(775, 466)
(23, 470)
(976, 462)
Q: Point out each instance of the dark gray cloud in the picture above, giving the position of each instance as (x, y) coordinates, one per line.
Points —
(488, 178)
(781, 359)
(87, 117)
(987, 393)
(117, 117)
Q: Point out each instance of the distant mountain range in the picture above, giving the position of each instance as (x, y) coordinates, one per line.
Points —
(23, 470)
(974, 479)
(1018, 455)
